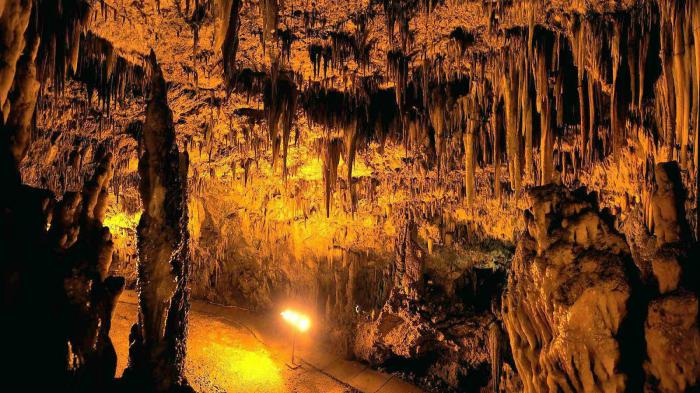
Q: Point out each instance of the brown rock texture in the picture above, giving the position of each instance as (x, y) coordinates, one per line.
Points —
(57, 293)
(62, 307)
(671, 330)
(568, 296)
(453, 340)
(673, 342)
(157, 351)
(368, 160)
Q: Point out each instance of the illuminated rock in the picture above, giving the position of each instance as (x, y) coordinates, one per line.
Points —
(568, 297)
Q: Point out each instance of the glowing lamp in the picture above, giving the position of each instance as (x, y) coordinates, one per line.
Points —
(301, 323)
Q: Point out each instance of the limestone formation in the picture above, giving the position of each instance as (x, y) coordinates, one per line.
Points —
(569, 297)
(369, 161)
(157, 352)
(455, 337)
(671, 329)
(71, 290)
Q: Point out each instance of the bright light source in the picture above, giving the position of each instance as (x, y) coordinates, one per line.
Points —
(300, 321)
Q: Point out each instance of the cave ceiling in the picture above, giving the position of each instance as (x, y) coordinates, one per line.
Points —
(316, 127)
(476, 192)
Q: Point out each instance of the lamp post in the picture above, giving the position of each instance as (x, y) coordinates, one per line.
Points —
(300, 323)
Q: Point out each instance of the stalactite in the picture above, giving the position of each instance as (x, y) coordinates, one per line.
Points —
(461, 40)
(436, 111)
(286, 38)
(330, 154)
(315, 56)
(544, 107)
(228, 35)
(642, 67)
(470, 160)
(15, 133)
(350, 141)
(397, 68)
(695, 8)
(342, 48)
(14, 18)
(269, 10)
(280, 100)
(681, 58)
(526, 110)
(362, 43)
(249, 82)
(157, 352)
(512, 123)
(616, 123)
(591, 118)
(496, 130)
(113, 77)
(59, 24)
(579, 50)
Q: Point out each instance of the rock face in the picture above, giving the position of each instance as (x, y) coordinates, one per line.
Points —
(157, 352)
(671, 329)
(85, 247)
(445, 109)
(449, 341)
(57, 294)
(568, 297)
(673, 343)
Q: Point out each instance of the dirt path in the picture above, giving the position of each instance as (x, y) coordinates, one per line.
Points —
(225, 354)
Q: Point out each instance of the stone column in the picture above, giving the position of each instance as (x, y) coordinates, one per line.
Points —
(157, 352)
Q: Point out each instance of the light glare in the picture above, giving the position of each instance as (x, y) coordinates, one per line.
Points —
(300, 321)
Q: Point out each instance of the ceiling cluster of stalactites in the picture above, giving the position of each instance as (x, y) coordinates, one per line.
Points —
(557, 95)
(537, 85)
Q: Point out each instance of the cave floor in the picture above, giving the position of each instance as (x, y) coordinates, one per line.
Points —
(233, 350)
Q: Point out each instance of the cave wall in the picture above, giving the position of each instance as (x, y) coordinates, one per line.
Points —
(317, 134)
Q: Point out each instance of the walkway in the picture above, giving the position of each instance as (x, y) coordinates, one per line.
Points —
(233, 350)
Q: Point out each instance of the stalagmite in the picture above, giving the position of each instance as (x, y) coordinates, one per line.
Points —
(671, 328)
(572, 346)
(496, 340)
(157, 352)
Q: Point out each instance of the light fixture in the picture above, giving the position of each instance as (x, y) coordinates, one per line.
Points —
(300, 323)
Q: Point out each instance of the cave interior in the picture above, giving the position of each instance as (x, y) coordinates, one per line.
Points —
(446, 195)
